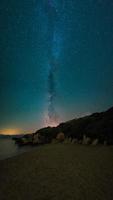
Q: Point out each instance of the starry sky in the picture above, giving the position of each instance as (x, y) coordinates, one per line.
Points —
(76, 37)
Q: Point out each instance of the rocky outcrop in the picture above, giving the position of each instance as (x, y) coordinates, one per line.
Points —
(24, 140)
(93, 129)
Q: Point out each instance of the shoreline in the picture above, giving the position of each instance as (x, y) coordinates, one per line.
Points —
(9, 149)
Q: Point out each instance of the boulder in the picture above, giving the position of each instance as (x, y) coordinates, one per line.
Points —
(60, 137)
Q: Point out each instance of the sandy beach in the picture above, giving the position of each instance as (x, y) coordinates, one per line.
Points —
(57, 172)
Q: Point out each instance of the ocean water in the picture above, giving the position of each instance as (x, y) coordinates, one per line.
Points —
(8, 148)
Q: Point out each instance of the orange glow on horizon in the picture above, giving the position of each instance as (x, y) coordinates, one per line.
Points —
(10, 131)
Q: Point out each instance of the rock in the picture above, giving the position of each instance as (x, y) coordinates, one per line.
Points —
(86, 140)
(36, 139)
(24, 140)
(60, 137)
(95, 142)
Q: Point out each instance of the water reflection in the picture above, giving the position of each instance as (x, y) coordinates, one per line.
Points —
(8, 148)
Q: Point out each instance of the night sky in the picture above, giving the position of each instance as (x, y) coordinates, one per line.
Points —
(56, 61)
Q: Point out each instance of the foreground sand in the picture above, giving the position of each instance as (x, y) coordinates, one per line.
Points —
(59, 172)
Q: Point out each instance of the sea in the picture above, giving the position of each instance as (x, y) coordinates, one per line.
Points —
(8, 148)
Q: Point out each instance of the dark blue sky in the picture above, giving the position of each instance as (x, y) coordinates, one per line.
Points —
(84, 50)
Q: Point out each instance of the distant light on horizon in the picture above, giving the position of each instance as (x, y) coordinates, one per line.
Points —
(10, 131)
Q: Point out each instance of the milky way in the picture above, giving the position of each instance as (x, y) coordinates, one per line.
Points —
(56, 61)
(52, 117)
